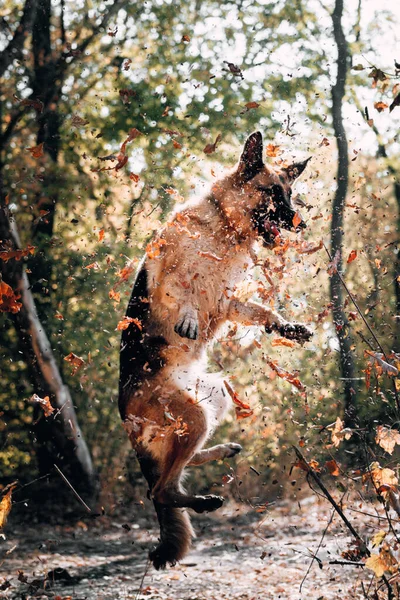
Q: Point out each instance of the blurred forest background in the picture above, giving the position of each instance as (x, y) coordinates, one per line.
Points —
(112, 113)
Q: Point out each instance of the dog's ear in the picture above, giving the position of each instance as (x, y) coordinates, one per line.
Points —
(295, 170)
(251, 161)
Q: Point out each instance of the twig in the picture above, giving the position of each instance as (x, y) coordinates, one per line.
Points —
(144, 575)
(73, 489)
(314, 557)
(348, 563)
(335, 505)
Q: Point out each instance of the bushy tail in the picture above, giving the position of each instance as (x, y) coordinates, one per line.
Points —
(176, 535)
(176, 531)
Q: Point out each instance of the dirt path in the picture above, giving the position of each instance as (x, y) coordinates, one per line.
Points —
(237, 555)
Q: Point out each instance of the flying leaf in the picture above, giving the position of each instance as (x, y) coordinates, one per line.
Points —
(380, 106)
(76, 361)
(77, 121)
(44, 403)
(126, 322)
(113, 295)
(5, 505)
(211, 148)
(290, 377)
(340, 433)
(242, 409)
(333, 467)
(8, 299)
(280, 341)
(378, 538)
(153, 249)
(352, 256)
(7, 255)
(251, 105)
(273, 150)
(387, 438)
(36, 151)
(101, 235)
(296, 220)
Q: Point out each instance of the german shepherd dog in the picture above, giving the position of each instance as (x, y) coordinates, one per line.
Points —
(183, 293)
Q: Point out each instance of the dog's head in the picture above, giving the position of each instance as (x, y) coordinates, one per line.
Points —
(261, 194)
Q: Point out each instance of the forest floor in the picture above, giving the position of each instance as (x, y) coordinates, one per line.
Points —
(238, 554)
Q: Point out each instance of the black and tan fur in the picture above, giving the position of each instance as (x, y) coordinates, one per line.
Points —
(182, 295)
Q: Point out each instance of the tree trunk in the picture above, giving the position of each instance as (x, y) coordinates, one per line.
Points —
(59, 436)
(339, 316)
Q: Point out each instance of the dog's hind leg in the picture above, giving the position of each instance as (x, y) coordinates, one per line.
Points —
(175, 453)
(218, 452)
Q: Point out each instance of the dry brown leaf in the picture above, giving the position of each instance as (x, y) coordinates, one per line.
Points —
(76, 361)
(211, 148)
(380, 106)
(273, 150)
(387, 438)
(44, 403)
(9, 299)
(36, 151)
(7, 255)
(340, 433)
(242, 409)
(127, 321)
(382, 562)
(333, 467)
(290, 377)
(6, 504)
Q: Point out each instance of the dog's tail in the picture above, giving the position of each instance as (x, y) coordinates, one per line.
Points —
(176, 531)
(176, 534)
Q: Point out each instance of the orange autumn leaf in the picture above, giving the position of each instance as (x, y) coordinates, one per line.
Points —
(44, 403)
(76, 361)
(126, 322)
(296, 220)
(176, 144)
(352, 256)
(6, 504)
(380, 106)
(333, 467)
(8, 299)
(125, 273)
(273, 150)
(283, 374)
(279, 341)
(113, 295)
(387, 438)
(242, 409)
(101, 235)
(133, 177)
(210, 255)
(94, 265)
(153, 249)
(36, 151)
(7, 255)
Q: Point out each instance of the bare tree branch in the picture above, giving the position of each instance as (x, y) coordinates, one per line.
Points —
(14, 48)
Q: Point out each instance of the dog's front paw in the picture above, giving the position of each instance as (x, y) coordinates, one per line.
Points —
(187, 327)
(295, 331)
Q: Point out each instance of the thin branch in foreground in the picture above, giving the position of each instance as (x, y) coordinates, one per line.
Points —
(366, 324)
(73, 489)
(335, 505)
